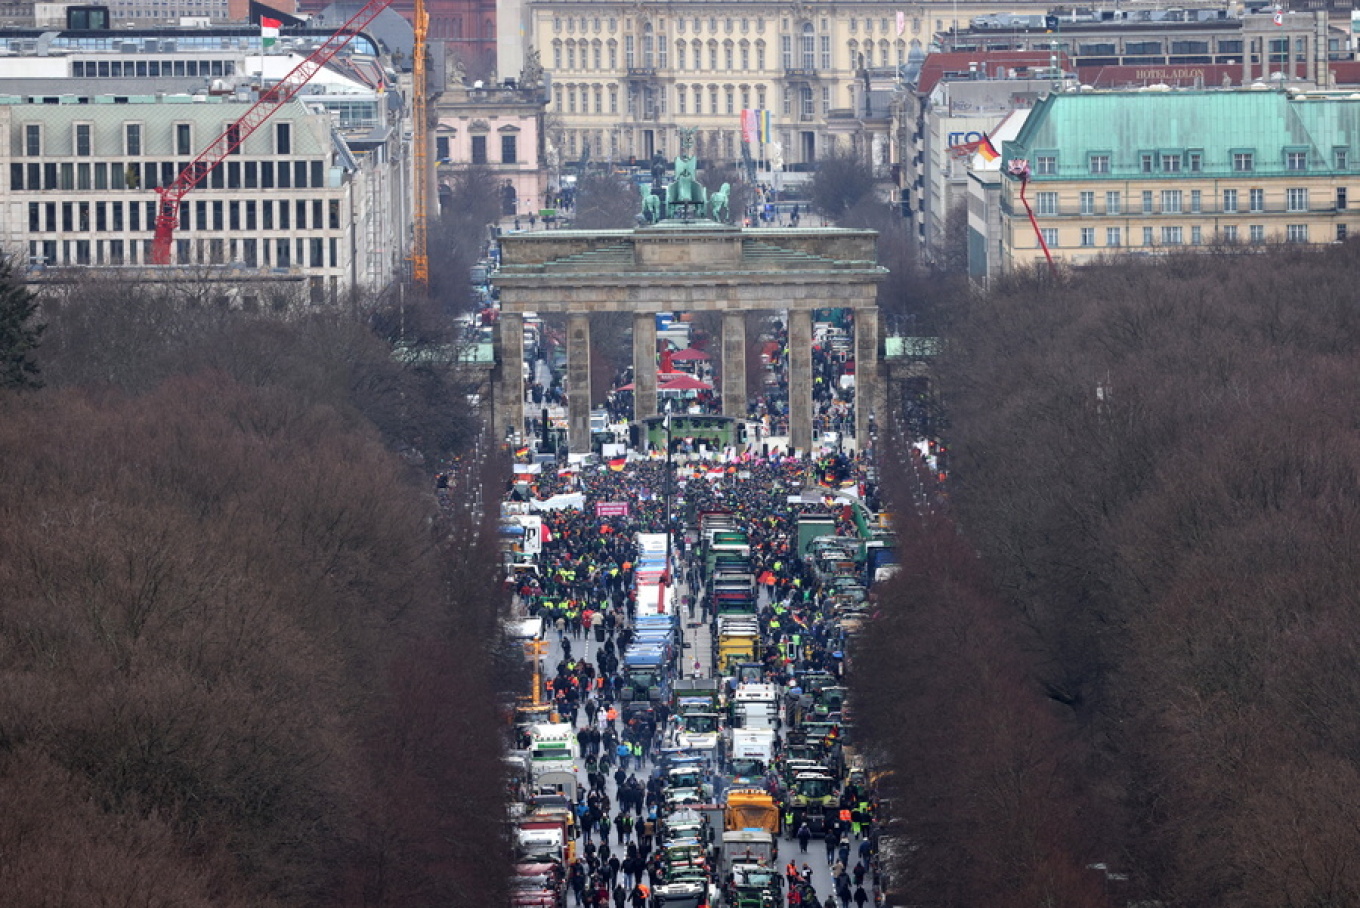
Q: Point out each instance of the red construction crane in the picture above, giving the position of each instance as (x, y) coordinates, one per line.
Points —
(167, 210)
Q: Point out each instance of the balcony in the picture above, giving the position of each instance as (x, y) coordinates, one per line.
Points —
(800, 73)
(642, 72)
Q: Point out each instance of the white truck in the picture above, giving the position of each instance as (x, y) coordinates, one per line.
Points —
(752, 751)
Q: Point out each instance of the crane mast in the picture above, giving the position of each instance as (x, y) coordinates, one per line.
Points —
(420, 258)
(270, 101)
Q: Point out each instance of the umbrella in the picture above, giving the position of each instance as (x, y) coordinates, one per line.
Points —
(689, 354)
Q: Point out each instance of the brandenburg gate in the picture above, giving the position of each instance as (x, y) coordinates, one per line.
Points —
(690, 266)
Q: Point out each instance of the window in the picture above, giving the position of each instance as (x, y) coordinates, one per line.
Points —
(1171, 201)
(509, 149)
(1171, 236)
(1196, 236)
(681, 93)
(1050, 236)
(1100, 163)
(1296, 160)
(1244, 161)
(729, 52)
(1088, 236)
(1046, 164)
(479, 149)
(1194, 161)
(1296, 199)
(1145, 161)
(808, 110)
(629, 55)
(786, 49)
(731, 100)
(1196, 201)
(1341, 198)
(234, 139)
(132, 138)
(809, 47)
(1341, 158)
(1258, 200)
(182, 139)
(283, 138)
(826, 52)
(1046, 203)
(1147, 236)
(33, 140)
(1296, 233)
(1230, 201)
(1230, 233)
(83, 140)
(1088, 203)
(1171, 163)
(1340, 233)
(1113, 203)
(1147, 201)
(1256, 233)
(1114, 236)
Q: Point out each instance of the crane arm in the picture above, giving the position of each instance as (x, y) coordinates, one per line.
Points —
(197, 170)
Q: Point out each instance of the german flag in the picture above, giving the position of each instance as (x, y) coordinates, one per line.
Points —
(618, 463)
(522, 452)
(987, 149)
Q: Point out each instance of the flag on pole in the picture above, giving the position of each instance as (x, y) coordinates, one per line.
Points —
(765, 133)
(987, 149)
(1279, 15)
(748, 126)
(269, 30)
(901, 23)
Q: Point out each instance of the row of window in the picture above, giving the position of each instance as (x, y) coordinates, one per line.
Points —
(139, 175)
(83, 137)
(1177, 236)
(709, 144)
(733, 56)
(1295, 160)
(143, 69)
(509, 149)
(1177, 201)
(696, 24)
(112, 217)
(649, 102)
(278, 252)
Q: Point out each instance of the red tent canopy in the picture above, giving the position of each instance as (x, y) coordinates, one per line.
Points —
(685, 383)
(689, 354)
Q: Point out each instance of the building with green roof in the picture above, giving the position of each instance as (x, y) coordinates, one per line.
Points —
(1152, 171)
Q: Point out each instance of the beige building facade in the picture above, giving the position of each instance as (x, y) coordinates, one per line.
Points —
(626, 78)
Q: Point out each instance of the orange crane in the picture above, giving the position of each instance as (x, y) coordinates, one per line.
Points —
(420, 138)
(167, 209)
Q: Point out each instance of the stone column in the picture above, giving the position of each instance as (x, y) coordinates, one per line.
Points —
(578, 383)
(800, 380)
(734, 365)
(869, 396)
(511, 327)
(644, 366)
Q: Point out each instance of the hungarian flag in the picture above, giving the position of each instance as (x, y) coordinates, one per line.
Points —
(269, 30)
(618, 463)
(987, 149)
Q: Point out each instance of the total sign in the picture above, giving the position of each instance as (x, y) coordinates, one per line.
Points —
(963, 138)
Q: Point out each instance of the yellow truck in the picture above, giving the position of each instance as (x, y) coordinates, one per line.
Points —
(751, 808)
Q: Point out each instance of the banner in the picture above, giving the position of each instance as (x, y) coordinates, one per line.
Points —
(748, 126)
(611, 509)
(901, 23)
(765, 130)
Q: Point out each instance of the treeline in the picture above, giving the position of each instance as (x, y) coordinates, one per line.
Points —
(247, 658)
(1123, 663)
